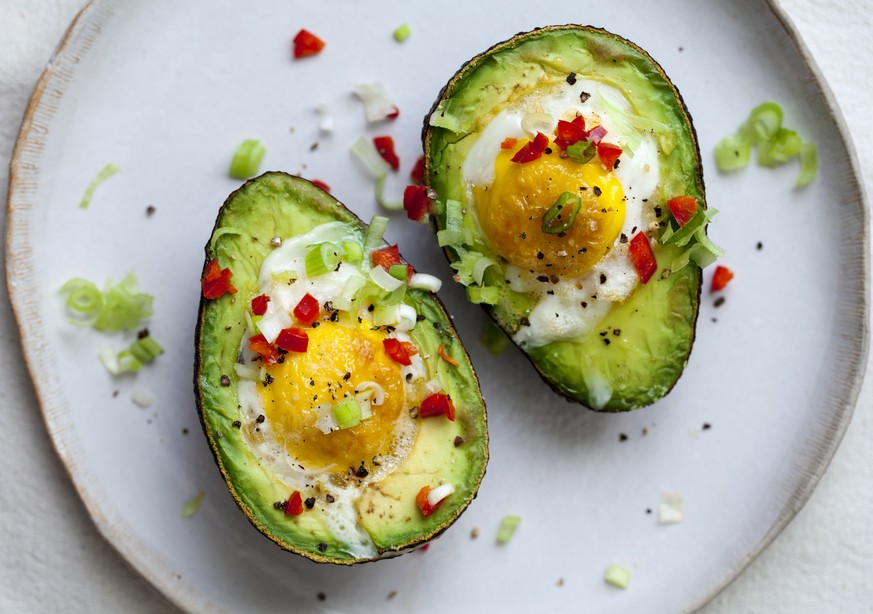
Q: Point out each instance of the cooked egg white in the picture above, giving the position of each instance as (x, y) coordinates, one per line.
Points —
(280, 418)
(579, 276)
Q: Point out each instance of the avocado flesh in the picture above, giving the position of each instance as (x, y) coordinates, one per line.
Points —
(277, 204)
(657, 321)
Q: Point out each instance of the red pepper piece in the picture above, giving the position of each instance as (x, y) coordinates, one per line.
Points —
(721, 277)
(596, 134)
(509, 143)
(393, 114)
(438, 404)
(294, 505)
(260, 346)
(293, 340)
(307, 310)
(385, 257)
(409, 347)
(385, 147)
(306, 43)
(683, 208)
(608, 154)
(259, 304)
(397, 352)
(421, 501)
(417, 174)
(567, 133)
(416, 202)
(216, 281)
(532, 149)
(642, 256)
(320, 184)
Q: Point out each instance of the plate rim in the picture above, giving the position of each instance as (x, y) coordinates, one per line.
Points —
(95, 12)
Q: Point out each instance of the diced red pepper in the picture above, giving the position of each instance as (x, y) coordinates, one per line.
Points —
(307, 310)
(509, 143)
(416, 202)
(532, 149)
(320, 184)
(721, 277)
(259, 304)
(293, 340)
(294, 505)
(642, 256)
(396, 352)
(216, 281)
(438, 404)
(567, 133)
(260, 346)
(417, 174)
(608, 154)
(385, 257)
(409, 347)
(385, 147)
(306, 43)
(394, 114)
(596, 134)
(683, 208)
(421, 501)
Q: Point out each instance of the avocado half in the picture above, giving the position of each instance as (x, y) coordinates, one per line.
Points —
(657, 322)
(280, 205)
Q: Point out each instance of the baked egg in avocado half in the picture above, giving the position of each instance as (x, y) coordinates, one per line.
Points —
(566, 191)
(339, 403)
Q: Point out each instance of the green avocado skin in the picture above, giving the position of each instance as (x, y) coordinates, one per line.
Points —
(277, 204)
(637, 353)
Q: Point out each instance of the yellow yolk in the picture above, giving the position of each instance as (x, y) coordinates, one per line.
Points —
(511, 212)
(305, 380)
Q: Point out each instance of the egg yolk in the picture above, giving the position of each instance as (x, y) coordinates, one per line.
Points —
(511, 212)
(306, 380)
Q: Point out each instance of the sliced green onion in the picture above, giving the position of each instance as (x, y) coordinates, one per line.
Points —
(423, 281)
(399, 271)
(141, 396)
(84, 301)
(127, 362)
(779, 149)
(352, 251)
(581, 151)
(493, 338)
(384, 280)
(617, 576)
(560, 216)
(375, 232)
(395, 297)
(380, 197)
(347, 413)
(246, 159)
(103, 175)
(402, 33)
(808, 164)
(479, 269)
(453, 233)
(346, 299)
(246, 372)
(488, 295)
(733, 152)
(764, 122)
(386, 315)
(373, 162)
(146, 349)
(322, 259)
(109, 359)
(507, 528)
(120, 306)
(190, 508)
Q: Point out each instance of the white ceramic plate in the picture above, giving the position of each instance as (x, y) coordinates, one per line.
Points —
(167, 90)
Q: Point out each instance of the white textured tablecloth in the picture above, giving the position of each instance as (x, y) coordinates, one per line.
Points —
(53, 558)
